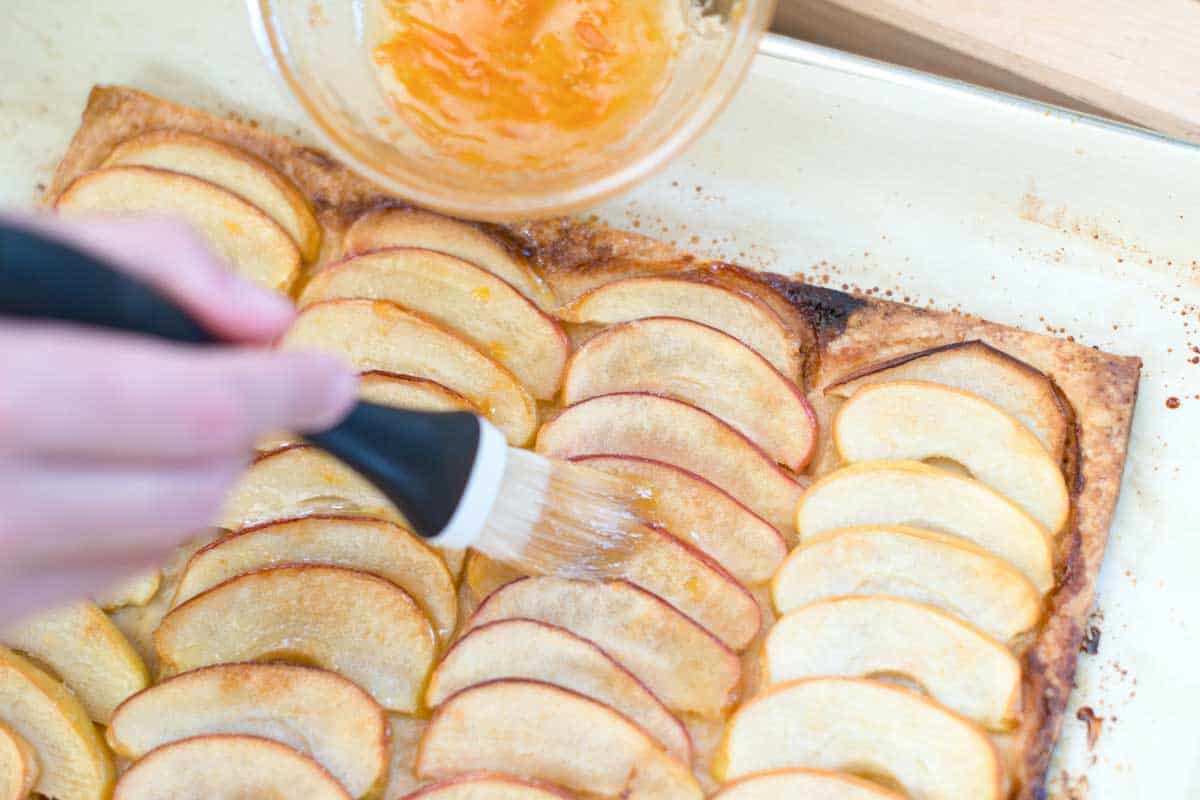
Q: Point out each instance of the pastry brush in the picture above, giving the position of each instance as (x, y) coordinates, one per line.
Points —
(452, 475)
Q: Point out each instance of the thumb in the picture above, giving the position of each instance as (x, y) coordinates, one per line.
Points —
(288, 390)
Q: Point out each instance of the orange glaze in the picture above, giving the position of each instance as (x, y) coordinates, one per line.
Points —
(528, 84)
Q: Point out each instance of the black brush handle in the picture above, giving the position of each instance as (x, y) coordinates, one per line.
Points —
(42, 278)
(421, 461)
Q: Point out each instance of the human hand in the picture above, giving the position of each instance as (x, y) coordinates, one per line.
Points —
(112, 446)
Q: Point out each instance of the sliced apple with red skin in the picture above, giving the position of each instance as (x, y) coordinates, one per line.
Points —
(667, 568)
(378, 335)
(1018, 388)
(411, 227)
(872, 635)
(684, 665)
(409, 391)
(87, 651)
(529, 650)
(917, 495)
(299, 481)
(368, 545)
(702, 514)
(863, 727)
(923, 566)
(317, 713)
(552, 734)
(695, 584)
(802, 783)
(19, 767)
(74, 763)
(231, 168)
(485, 310)
(702, 366)
(918, 420)
(241, 234)
(488, 786)
(357, 625)
(659, 428)
(737, 314)
(226, 767)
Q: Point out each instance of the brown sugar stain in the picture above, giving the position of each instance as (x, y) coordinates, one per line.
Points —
(1033, 208)
(1094, 724)
(1071, 787)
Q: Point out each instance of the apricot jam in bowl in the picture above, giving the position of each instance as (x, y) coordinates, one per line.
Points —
(508, 109)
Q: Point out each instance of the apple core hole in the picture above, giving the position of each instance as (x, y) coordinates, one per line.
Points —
(329, 504)
(286, 656)
(949, 465)
(875, 775)
(896, 678)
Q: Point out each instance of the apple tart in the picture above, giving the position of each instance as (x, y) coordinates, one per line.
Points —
(874, 529)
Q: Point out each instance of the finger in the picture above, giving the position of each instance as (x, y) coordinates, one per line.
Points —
(30, 590)
(173, 258)
(69, 391)
(58, 515)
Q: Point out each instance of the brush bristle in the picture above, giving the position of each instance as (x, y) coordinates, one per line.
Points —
(556, 517)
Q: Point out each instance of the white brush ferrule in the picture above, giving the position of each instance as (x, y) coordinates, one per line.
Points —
(483, 487)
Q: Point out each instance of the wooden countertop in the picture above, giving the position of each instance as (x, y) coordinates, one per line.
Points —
(1137, 61)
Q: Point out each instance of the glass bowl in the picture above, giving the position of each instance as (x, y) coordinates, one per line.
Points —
(322, 49)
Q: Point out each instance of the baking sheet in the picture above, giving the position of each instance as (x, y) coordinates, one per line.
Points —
(863, 176)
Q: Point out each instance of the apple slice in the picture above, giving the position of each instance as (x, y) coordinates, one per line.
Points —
(229, 167)
(1024, 392)
(86, 651)
(488, 786)
(471, 301)
(659, 428)
(411, 227)
(522, 648)
(702, 366)
(226, 767)
(136, 590)
(695, 584)
(74, 763)
(317, 713)
(368, 545)
(684, 665)
(873, 635)
(299, 481)
(737, 314)
(918, 495)
(918, 420)
(668, 568)
(864, 727)
(799, 783)
(252, 243)
(701, 514)
(377, 335)
(549, 733)
(19, 767)
(355, 624)
(923, 566)
(409, 391)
